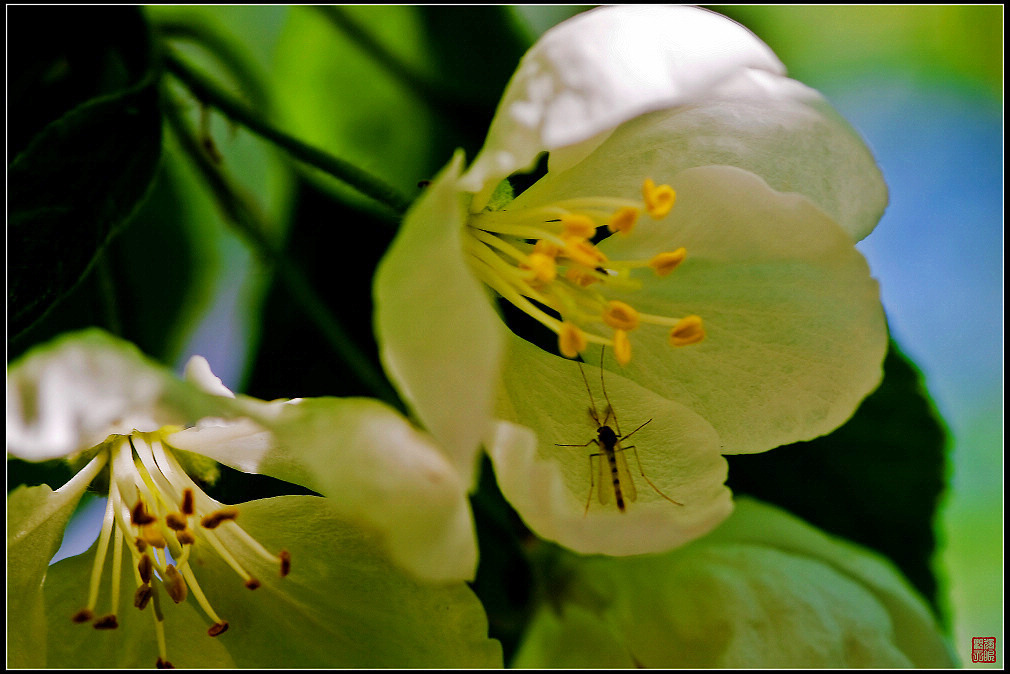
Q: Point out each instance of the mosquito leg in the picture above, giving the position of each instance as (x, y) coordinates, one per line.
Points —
(642, 471)
(592, 483)
(625, 437)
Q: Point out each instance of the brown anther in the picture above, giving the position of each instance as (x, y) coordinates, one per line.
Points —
(174, 584)
(214, 519)
(285, 562)
(144, 567)
(106, 622)
(142, 596)
(185, 537)
(83, 616)
(140, 516)
(175, 521)
(163, 664)
(218, 628)
(252, 583)
(187, 506)
(140, 544)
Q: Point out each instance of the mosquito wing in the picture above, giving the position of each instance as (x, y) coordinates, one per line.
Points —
(605, 483)
(624, 475)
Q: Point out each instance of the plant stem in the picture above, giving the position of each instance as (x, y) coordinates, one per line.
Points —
(243, 216)
(209, 93)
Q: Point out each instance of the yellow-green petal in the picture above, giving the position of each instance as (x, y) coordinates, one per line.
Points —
(439, 336)
(545, 402)
(342, 605)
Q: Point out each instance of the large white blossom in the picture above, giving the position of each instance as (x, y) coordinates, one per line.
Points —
(696, 220)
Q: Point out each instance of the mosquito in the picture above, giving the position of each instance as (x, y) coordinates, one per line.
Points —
(615, 467)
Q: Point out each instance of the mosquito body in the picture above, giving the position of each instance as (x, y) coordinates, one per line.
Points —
(614, 476)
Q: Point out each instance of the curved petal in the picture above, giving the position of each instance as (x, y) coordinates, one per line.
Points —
(72, 393)
(796, 334)
(774, 127)
(439, 337)
(604, 67)
(376, 469)
(555, 489)
(342, 605)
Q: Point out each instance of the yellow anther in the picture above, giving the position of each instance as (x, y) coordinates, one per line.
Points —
(543, 266)
(622, 347)
(664, 263)
(623, 220)
(620, 316)
(583, 252)
(658, 198)
(175, 585)
(688, 330)
(548, 248)
(580, 277)
(578, 225)
(153, 536)
(571, 340)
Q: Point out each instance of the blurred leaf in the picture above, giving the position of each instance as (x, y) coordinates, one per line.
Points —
(877, 480)
(78, 181)
(956, 43)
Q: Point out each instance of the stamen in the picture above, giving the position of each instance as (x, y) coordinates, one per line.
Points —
(620, 316)
(544, 261)
(579, 226)
(175, 586)
(623, 220)
(659, 199)
(571, 340)
(622, 347)
(106, 622)
(664, 263)
(285, 558)
(689, 330)
(213, 520)
(187, 506)
(142, 596)
(201, 599)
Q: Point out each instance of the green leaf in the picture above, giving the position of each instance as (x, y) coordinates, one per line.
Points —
(877, 480)
(763, 590)
(36, 519)
(342, 605)
(70, 191)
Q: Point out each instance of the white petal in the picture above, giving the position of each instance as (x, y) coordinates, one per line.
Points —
(198, 372)
(73, 393)
(604, 67)
(775, 127)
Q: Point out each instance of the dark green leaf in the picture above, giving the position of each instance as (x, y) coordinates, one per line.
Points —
(877, 480)
(83, 174)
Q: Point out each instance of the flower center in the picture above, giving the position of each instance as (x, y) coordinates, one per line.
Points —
(158, 513)
(544, 261)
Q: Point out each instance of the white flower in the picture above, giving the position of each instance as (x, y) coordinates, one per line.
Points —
(697, 219)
